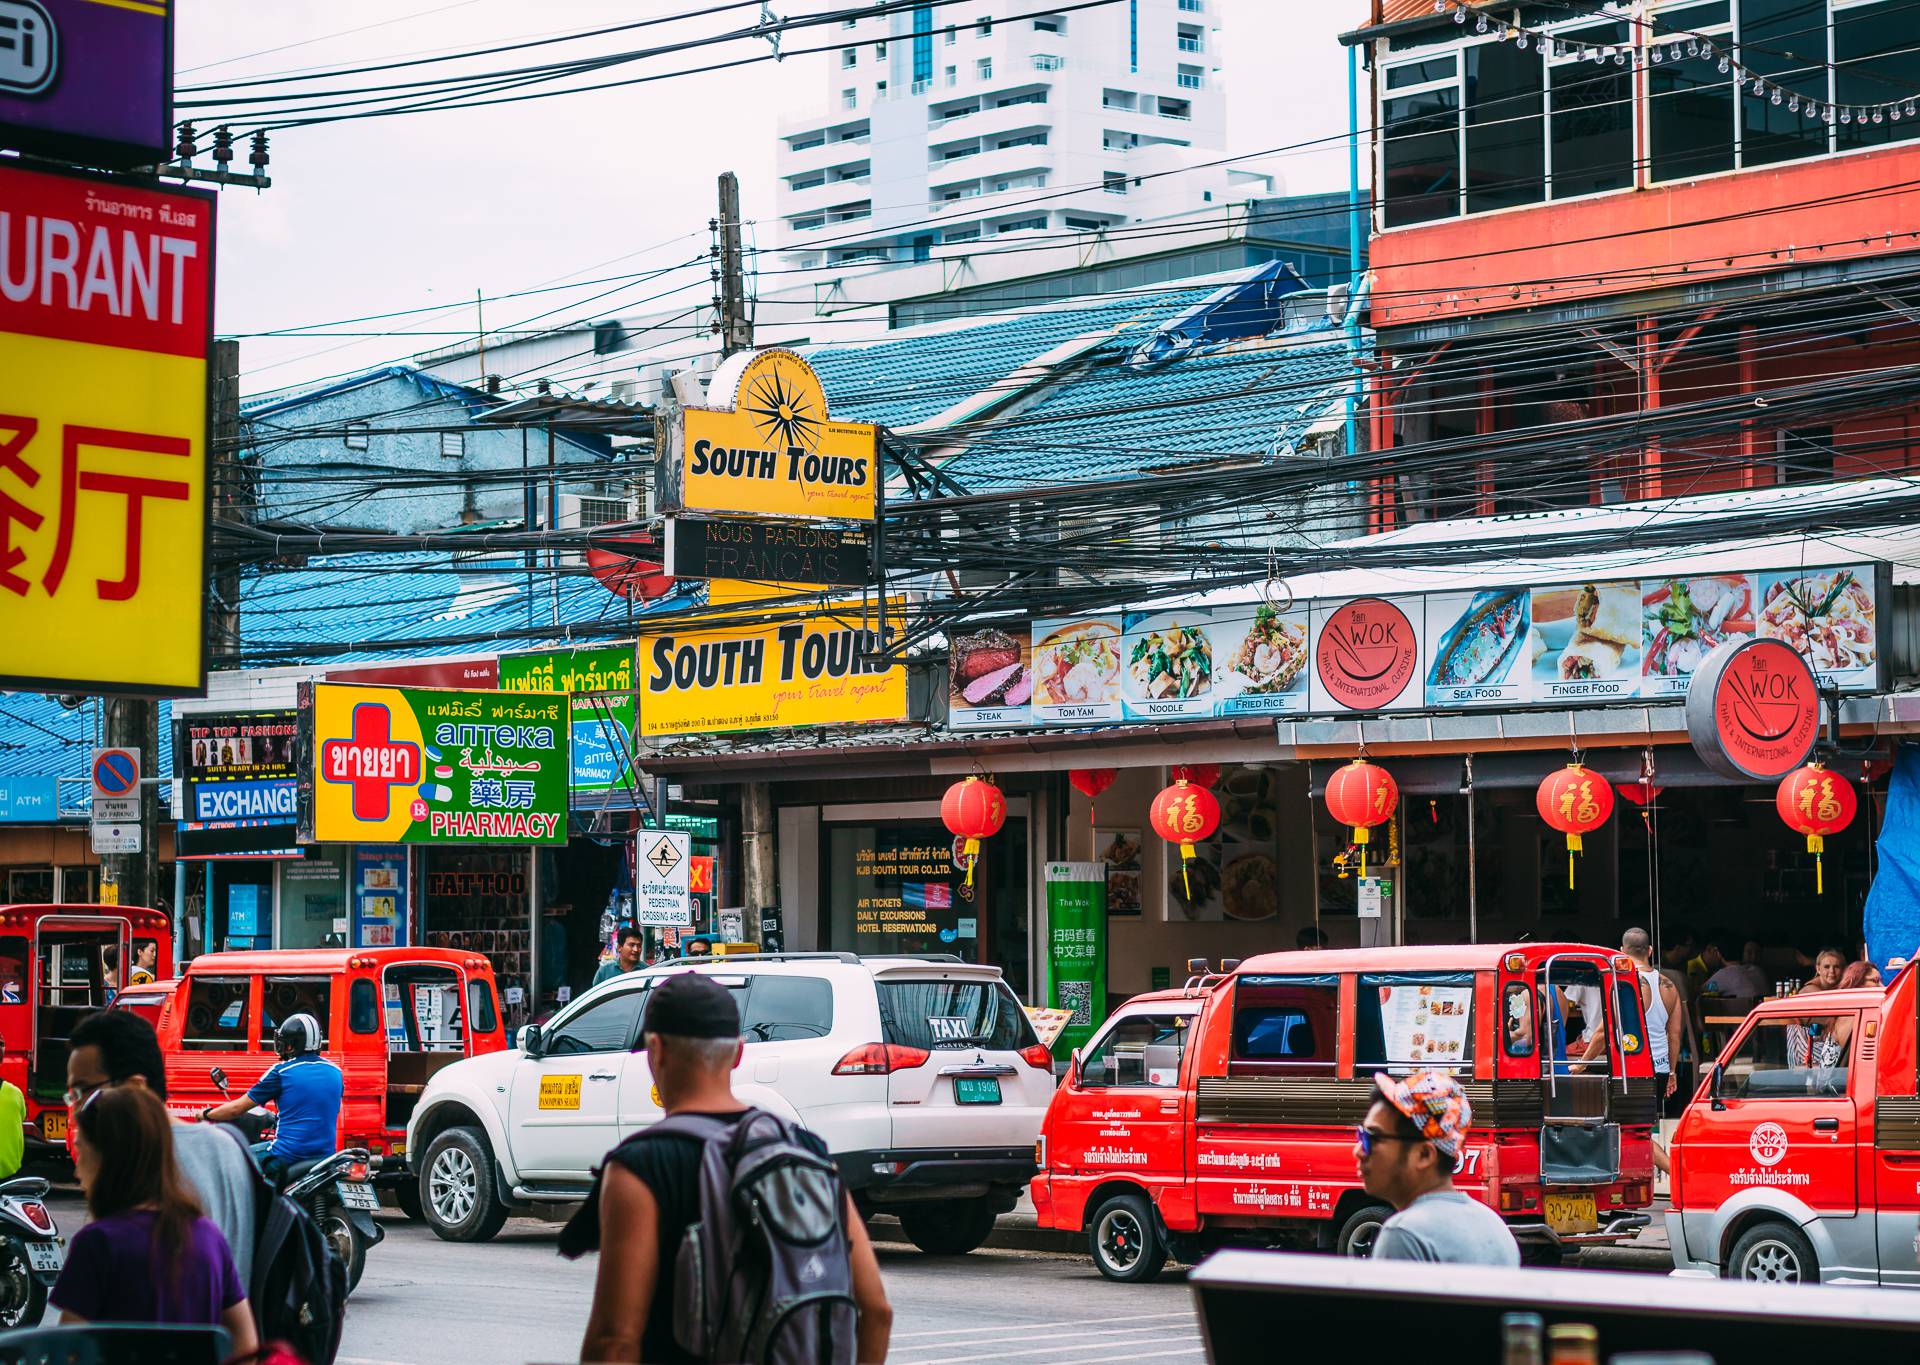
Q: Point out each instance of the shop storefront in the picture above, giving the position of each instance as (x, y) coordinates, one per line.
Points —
(447, 801)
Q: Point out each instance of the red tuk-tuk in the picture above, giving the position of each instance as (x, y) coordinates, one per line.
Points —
(1224, 1112)
(52, 973)
(389, 1018)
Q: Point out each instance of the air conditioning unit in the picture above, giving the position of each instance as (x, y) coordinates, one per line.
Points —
(577, 511)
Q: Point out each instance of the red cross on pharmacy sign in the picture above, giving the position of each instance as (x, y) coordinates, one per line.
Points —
(371, 762)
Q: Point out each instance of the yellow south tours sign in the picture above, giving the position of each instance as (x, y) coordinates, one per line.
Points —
(811, 671)
(767, 449)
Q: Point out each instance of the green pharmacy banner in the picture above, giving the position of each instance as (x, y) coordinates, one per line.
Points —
(600, 683)
(1077, 948)
(404, 765)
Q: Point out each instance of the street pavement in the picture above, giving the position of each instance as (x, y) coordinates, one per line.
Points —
(514, 1301)
(428, 1302)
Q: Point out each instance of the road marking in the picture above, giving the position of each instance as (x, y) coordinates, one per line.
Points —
(1029, 1326)
(1084, 1342)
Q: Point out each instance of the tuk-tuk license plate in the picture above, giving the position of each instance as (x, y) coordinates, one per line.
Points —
(54, 1127)
(976, 1090)
(1572, 1213)
(357, 1196)
(46, 1255)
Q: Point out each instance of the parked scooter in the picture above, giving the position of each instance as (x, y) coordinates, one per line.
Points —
(31, 1252)
(333, 1189)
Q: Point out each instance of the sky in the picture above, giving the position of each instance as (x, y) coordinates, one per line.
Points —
(421, 211)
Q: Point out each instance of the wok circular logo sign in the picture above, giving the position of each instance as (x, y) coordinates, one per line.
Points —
(1768, 1144)
(1753, 709)
(1366, 653)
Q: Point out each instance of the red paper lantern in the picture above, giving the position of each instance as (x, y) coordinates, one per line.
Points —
(1816, 802)
(1199, 774)
(1090, 782)
(1360, 796)
(1575, 801)
(1184, 814)
(624, 568)
(973, 810)
(1639, 791)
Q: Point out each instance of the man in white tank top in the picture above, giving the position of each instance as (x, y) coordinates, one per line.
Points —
(1662, 1006)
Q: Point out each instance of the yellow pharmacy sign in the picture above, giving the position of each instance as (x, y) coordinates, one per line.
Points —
(767, 448)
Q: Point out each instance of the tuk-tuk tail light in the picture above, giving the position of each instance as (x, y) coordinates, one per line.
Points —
(1509, 1200)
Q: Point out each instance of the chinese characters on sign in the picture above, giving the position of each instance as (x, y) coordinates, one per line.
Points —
(104, 319)
(407, 765)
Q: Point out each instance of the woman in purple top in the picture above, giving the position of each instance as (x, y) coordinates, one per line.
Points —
(148, 1255)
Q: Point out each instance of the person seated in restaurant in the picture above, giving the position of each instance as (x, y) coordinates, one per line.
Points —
(1313, 936)
(1828, 967)
(1710, 959)
(1745, 978)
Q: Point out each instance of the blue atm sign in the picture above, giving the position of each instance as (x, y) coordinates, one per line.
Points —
(29, 800)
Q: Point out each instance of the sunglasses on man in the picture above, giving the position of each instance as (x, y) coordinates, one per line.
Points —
(1366, 1137)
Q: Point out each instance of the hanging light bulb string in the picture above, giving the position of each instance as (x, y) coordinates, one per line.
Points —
(1675, 47)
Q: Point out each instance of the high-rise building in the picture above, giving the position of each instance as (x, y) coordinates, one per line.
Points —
(970, 122)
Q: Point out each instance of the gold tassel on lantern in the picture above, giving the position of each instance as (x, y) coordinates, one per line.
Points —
(1360, 841)
(1573, 846)
(1817, 845)
(972, 852)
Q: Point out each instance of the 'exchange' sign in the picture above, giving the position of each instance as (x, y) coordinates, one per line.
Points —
(397, 765)
(104, 335)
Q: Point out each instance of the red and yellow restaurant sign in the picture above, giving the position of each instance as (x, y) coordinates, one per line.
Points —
(106, 306)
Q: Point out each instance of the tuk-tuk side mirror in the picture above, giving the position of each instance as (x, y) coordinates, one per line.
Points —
(528, 1040)
(1718, 1076)
(219, 1079)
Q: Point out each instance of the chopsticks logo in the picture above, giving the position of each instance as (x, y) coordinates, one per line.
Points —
(1366, 653)
(1767, 708)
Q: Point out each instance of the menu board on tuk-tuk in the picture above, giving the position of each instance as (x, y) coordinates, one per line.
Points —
(1426, 1025)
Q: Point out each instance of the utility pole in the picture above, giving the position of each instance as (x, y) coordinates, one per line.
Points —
(735, 328)
(230, 496)
(134, 723)
(730, 305)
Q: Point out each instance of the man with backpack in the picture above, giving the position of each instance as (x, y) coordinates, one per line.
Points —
(725, 1233)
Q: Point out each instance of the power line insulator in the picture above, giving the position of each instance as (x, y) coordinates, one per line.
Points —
(222, 146)
(186, 149)
(257, 156)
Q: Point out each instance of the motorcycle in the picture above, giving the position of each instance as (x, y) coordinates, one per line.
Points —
(333, 1189)
(31, 1252)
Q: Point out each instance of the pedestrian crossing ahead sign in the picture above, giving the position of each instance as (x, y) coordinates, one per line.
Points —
(662, 897)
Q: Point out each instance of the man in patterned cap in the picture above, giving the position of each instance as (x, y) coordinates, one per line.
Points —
(1407, 1151)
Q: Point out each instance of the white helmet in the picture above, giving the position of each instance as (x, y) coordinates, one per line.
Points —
(296, 1035)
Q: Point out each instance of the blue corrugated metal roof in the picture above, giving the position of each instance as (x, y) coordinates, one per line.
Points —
(1096, 417)
(430, 386)
(385, 601)
(39, 737)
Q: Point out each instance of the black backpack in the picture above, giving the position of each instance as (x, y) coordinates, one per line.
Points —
(299, 1287)
(764, 1277)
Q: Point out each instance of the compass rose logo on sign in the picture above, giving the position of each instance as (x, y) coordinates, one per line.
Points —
(1768, 1144)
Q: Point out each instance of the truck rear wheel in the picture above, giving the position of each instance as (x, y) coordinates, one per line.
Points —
(950, 1227)
(1357, 1234)
(1124, 1237)
(1773, 1252)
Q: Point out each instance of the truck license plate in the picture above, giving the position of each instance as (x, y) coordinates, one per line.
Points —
(1572, 1213)
(46, 1255)
(357, 1196)
(976, 1090)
